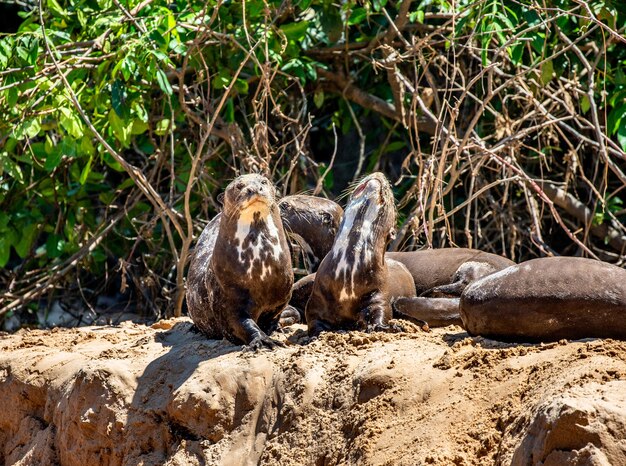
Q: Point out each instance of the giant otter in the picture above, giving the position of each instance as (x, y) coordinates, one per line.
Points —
(240, 275)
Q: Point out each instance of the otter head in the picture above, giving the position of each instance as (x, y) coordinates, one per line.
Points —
(251, 224)
(247, 195)
(372, 210)
(368, 222)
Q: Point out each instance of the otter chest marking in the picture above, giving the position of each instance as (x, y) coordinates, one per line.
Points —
(362, 251)
(265, 244)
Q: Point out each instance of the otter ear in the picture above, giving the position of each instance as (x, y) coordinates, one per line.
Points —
(220, 198)
(392, 234)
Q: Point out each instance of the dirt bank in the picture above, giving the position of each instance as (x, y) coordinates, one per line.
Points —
(166, 395)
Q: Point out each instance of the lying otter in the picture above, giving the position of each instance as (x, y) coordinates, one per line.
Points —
(441, 271)
(311, 224)
(548, 299)
(240, 275)
(440, 277)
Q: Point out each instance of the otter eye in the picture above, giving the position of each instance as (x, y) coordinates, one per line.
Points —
(265, 182)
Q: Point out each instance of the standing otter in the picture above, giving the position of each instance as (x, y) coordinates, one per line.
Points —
(240, 275)
(351, 286)
(311, 223)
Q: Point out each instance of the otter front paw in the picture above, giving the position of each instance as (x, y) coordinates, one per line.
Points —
(289, 316)
(263, 341)
(389, 328)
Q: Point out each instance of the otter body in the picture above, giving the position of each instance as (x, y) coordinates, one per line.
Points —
(311, 224)
(399, 284)
(548, 299)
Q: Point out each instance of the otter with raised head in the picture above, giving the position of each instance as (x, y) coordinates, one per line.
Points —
(240, 275)
(548, 299)
(311, 224)
(351, 288)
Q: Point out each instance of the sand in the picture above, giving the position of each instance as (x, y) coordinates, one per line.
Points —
(133, 394)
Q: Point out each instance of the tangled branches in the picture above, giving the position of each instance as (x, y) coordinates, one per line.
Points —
(520, 161)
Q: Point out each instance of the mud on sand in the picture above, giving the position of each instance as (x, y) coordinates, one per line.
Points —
(166, 395)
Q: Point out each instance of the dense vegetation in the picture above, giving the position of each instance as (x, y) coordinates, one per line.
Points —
(502, 124)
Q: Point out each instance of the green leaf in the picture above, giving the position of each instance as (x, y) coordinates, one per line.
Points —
(68, 147)
(86, 146)
(222, 80)
(162, 127)
(27, 238)
(585, 104)
(621, 134)
(379, 4)
(54, 246)
(70, 122)
(4, 222)
(357, 16)
(128, 67)
(394, 146)
(304, 4)
(547, 69)
(121, 129)
(53, 159)
(332, 24)
(85, 171)
(5, 249)
(161, 56)
(4, 60)
(598, 218)
(56, 9)
(13, 169)
(241, 85)
(140, 111)
(614, 119)
(318, 98)
(27, 129)
(516, 52)
(139, 127)
(12, 96)
(230, 111)
(295, 31)
(22, 52)
(119, 97)
(107, 197)
(164, 84)
(417, 16)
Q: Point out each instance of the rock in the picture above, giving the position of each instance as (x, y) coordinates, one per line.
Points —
(584, 426)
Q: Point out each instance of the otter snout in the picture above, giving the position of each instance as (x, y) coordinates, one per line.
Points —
(256, 192)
